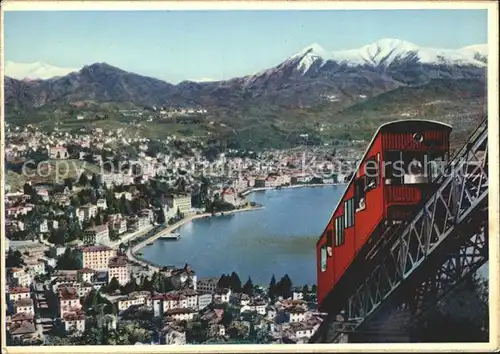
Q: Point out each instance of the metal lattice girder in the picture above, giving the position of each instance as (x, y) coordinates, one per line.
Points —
(434, 232)
(466, 260)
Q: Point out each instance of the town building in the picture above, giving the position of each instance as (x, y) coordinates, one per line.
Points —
(174, 300)
(86, 275)
(297, 294)
(118, 268)
(191, 298)
(101, 204)
(58, 153)
(19, 277)
(257, 306)
(222, 295)
(86, 212)
(181, 203)
(24, 305)
(74, 321)
(95, 257)
(204, 299)
(34, 266)
(69, 301)
(98, 234)
(18, 293)
(207, 285)
(180, 314)
(295, 314)
(134, 299)
(229, 195)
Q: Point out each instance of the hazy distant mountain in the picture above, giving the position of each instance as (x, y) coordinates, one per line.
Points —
(308, 77)
(34, 71)
(98, 82)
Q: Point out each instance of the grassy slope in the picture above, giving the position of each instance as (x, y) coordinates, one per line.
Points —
(64, 169)
(261, 125)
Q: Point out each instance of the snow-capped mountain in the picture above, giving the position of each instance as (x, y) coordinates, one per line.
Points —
(302, 79)
(387, 52)
(35, 71)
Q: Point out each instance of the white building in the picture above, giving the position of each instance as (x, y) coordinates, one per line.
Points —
(24, 305)
(182, 203)
(86, 274)
(19, 293)
(118, 268)
(191, 298)
(135, 298)
(222, 295)
(96, 235)
(20, 277)
(101, 204)
(180, 314)
(298, 295)
(86, 212)
(74, 321)
(296, 315)
(204, 300)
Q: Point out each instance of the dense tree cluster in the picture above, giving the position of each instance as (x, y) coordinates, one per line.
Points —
(69, 260)
(281, 288)
(13, 259)
(232, 282)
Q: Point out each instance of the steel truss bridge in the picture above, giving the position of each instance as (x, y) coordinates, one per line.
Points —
(424, 258)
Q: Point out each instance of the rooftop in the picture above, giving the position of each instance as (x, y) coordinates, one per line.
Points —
(67, 293)
(19, 290)
(179, 311)
(97, 228)
(25, 327)
(118, 261)
(24, 302)
(74, 316)
(96, 249)
(296, 310)
(21, 316)
(86, 270)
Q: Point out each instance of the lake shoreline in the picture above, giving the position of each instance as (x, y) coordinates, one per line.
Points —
(259, 189)
(217, 237)
(181, 223)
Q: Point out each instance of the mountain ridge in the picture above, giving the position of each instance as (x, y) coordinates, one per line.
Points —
(308, 77)
(315, 49)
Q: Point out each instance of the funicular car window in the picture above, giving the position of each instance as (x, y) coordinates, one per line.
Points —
(413, 164)
(371, 173)
(349, 213)
(393, 165)
(436, 163)
(360, 192)
(323, 258)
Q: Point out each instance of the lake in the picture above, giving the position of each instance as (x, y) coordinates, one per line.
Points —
(279, 239)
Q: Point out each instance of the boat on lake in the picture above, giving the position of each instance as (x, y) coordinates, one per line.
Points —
(171, 236)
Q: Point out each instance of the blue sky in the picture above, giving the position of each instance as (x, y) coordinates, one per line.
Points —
(188, 45)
